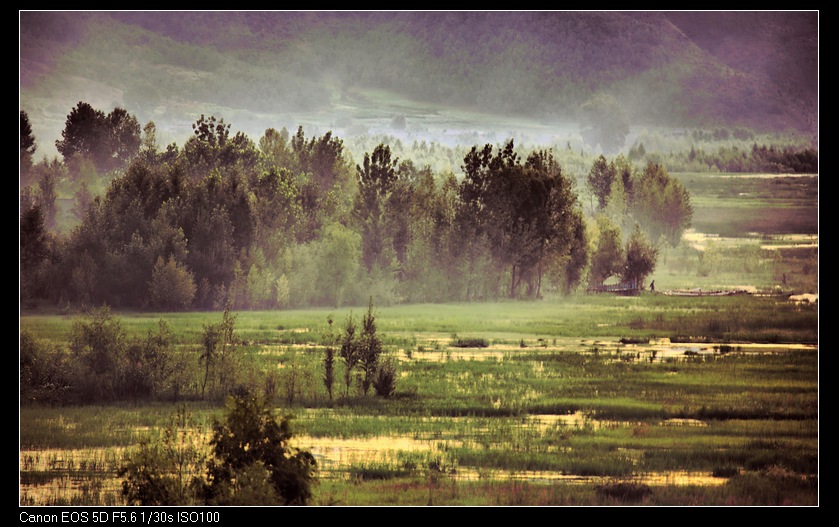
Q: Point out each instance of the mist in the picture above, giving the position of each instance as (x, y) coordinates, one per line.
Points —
(449, 77)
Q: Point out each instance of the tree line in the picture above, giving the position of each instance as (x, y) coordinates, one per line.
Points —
(291, 221)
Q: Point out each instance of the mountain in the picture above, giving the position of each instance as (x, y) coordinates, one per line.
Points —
(678, 69)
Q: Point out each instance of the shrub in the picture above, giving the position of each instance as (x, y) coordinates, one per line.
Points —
(251, 464)
(43, 377)
(98, 346)
(624, 491)
(172, 285)
(385, 381)
(252, 460)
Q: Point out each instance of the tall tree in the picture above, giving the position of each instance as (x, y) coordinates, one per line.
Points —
(370, 348)
(34, 248)
(375, 181)
(212, 148)
(276, 149)
(110, 141)
(123, 137)
(84, 133)
(640, 259)
(27, 144)
(600, 179)
(661, 204)
(320, 156)
(349, 352)
(608, 257)
(525, 212)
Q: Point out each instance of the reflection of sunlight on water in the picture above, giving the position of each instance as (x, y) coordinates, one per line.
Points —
(58, 476)
(700, 240)
(762, 176)
(333, 454)
(545, 422)
(459, 354)
(680, 421)
(674, 478)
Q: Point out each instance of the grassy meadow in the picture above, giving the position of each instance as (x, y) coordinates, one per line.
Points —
(579, 400)
(550, 417)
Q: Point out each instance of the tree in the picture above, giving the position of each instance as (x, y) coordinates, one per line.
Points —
(172, 285)
(369, 348)
(375, 182)
(123, 137)
(148, 144)
(47, 195)
(600, 179)
(338, 259)
(27, 144)
(491, 195)
(661, 204)
(276, 149)
(329, 359)
(566, 269)
(604, 122)
(324, 179)
(211, 147)
(276, 210)
(110, 141)
(83, 133)
(43, 372)
(522, 214)
(608, 258)
(253, 462)
(219, 342)
(321, 156)
(349, 353)
(211, 131)
(34, 248)
(640, 259)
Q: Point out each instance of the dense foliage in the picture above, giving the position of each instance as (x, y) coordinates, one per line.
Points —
(251, 462)
(291, 221)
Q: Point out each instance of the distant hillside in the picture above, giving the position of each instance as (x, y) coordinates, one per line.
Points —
(675, 69)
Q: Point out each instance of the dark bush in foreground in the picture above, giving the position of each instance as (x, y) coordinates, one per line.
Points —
(251, 463)
(252, 458)
(624, 491)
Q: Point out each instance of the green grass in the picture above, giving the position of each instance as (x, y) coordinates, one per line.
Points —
(474, 408)
(595, 316)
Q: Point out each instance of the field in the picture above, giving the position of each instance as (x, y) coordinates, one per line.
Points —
(580, 400)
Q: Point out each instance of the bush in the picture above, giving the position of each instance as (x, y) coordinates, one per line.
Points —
(43, 377)
(172, 285)
(385, 381)
(624, 491)
(98, 346)
(253, 462)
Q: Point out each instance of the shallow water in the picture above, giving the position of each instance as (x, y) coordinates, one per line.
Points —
(53, 476)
